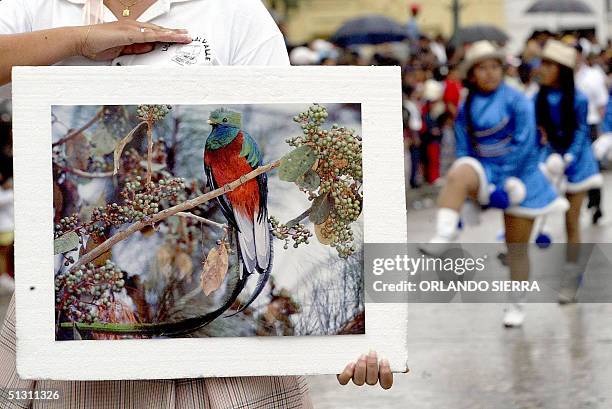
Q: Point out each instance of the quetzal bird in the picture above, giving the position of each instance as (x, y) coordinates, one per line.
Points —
(229, 154)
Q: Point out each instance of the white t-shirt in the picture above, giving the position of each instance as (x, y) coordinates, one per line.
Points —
(592, 82)
(224, 32)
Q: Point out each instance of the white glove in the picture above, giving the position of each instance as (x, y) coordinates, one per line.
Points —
(516, 190)
(602, 147)
(554, 166)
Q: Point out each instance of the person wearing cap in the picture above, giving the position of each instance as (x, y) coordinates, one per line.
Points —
(497, 165)
(117, 32)
(561, 113)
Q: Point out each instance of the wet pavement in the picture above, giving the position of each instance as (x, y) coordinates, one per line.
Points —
(461, 357)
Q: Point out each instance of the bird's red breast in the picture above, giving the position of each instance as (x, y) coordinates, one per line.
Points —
(227, 165)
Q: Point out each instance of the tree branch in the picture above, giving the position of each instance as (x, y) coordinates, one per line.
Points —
(298, 219)
(80, 130)
(202, 220)
(164, 214)
(149, 151)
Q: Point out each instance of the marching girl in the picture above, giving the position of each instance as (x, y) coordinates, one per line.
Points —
(497, 165)
(561, 115)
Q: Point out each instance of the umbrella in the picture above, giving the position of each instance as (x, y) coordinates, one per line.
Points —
(373, 29)
(477, 32)
(560, 6)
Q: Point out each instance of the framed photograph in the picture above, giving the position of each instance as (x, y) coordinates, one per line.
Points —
(182, 223)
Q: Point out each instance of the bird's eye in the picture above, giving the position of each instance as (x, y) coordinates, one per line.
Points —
(224, 119)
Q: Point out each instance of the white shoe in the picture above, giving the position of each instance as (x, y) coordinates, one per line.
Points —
(514, 315)
(7, 285)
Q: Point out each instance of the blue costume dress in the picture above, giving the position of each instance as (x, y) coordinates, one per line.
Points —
(582, 172)
(504, 145)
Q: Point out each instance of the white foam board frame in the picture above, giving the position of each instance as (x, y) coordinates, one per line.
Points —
(36, 89)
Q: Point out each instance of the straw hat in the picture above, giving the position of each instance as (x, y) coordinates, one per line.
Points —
(478, 52)
(560, 53)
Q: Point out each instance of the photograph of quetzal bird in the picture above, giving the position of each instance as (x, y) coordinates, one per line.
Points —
(234, 220)
(231, 153)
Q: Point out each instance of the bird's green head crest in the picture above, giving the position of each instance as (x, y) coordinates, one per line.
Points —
(225, 117)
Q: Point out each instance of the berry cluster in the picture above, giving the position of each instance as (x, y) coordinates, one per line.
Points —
(152, 113)
(138, 203)
(339, 168)
(82, 293)
(297, 232)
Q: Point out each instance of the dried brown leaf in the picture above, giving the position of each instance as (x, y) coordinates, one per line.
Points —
(214, 269)
(323, 239)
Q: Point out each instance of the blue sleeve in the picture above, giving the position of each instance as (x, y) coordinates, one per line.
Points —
(523, 143)
(607, 122)
(461, 137)
(582, 135)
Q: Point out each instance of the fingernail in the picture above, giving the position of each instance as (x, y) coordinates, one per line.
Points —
(363, 357)
(352, 365)
(385, 362)
(372, 354)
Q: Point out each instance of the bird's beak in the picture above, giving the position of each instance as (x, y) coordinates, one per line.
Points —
(209, 122)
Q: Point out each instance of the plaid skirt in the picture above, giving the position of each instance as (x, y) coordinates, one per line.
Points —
(211, 393)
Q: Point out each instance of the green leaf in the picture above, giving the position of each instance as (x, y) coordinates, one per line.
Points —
(320, 209)
(309, 180)
(296, 163)
(65, 243)
(102, 141)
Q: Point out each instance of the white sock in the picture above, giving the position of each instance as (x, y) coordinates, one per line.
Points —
(447, 223)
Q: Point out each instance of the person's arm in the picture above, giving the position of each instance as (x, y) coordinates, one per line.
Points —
(461, 137)
(98, 42)
(44, 47)
(582, 134)
(607, 118)
(523, 141)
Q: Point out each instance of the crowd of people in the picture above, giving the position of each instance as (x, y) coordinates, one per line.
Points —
(433, 87)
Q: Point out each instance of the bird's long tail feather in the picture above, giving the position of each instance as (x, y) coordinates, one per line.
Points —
(261, 284)
(264, 276)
